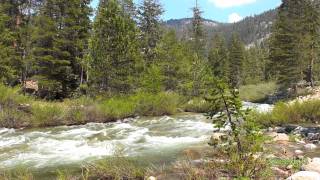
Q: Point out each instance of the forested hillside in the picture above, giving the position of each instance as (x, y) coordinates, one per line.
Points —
(252, 29)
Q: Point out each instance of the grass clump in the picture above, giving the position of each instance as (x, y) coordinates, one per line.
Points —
(197, 105)
(117, 108)
(163, 103)
(284, 163)
(291, 113)
(115, 168)
(257, 92)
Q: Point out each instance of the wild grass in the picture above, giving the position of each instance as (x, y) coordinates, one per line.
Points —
(291, 113)
(18, 111)
(257, 92)
(17, 174)
(198, 105)
(284, 163)
(115, 168)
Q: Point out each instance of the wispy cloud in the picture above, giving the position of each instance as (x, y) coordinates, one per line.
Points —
(234, 17)
(231, 3)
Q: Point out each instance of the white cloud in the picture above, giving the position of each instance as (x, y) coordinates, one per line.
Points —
(230, 3)
(234, 17)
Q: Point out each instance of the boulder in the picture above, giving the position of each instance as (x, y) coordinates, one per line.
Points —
(298, 152)
(310, 146)
(305, 175)
(151, 178)
(279, 137)
(312, 165)
(279, 172)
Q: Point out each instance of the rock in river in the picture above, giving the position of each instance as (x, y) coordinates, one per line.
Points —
(312, 165)
(310, 146)
(305, 175)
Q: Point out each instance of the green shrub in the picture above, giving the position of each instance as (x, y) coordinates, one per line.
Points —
(257, 92)
(283, 163)
(117, 108)
(290, 113)
(197, 105)
(47, 114)
(116, 168)
(163, 103)
(10, 97)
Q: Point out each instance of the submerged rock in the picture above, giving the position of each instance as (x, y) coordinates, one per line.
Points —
(298, 152)
(305, 175)
(310, 146)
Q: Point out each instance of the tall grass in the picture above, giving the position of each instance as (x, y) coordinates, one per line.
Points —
(291, 113)
(257, 92)
(18, 111)
(198, 105)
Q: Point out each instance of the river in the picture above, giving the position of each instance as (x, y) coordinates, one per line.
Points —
(159, 138)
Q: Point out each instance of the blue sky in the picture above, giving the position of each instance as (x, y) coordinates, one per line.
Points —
(219, 10)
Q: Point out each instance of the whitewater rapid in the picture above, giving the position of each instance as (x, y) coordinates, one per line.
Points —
(53, 147)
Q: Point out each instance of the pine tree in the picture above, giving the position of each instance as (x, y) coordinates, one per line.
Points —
(285, 44)
(310, 37)
(197, 32)
(236, 58)
(254, 66)
(114, 48)
(150, 25)
(129, 8)
(60, 41)
(7, 48)
(218, 58)
(170, 57)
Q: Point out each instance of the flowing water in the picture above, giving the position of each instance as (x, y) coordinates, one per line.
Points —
(159, 138)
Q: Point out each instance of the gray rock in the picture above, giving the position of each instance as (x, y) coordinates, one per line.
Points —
(298, 152)
(312, 165)
(305, 175)
(310, 146)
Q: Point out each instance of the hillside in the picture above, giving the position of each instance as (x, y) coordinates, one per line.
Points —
(251, 29)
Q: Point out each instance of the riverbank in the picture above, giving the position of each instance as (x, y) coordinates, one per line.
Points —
(19, 111)
(23, 111)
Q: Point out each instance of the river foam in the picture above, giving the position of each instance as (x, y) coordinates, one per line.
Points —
(53, 147)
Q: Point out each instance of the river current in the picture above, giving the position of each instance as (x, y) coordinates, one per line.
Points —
(157, 137)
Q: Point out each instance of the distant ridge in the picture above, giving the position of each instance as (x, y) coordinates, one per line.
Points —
(253, 29)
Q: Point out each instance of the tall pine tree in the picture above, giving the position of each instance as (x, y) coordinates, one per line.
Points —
(114, 48)
(237, 57)
(150, 25)
(60, 41)
(218, 58)
(285, 52)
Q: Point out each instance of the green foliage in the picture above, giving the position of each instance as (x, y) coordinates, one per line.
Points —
(198, 105)
(7, 50)
(17, 174)
(116, 168)
(163, 103)
(150, 26)
(284, 163)
(218, 58)
(236, 58)
(257, 92)
(198, 36)
(152, 80)
(294, 42)
(57, 49)
(245, 141)
(114, 49)
(117, 108)
(255, 65)
(291, 113)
